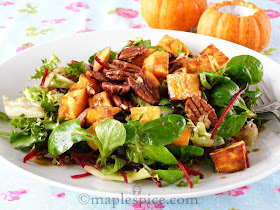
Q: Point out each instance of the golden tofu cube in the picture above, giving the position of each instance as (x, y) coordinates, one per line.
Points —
(92, 130)
(157, 63)
(202, 63)
(231, 158)
(100, 99)
(73, 103)
(149, 113)
(172, 45)
(139, 59)
(221, 58)
(182, 85)
(104, 56)
(100, 112)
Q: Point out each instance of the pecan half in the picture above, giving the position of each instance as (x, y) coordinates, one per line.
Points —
(97, 75)
(118, 74)
(122, 103)
(144, 88)
(198, 110)
(173, 66)
(127, 66)
(115, 89)
(83, 117)
(131, 52)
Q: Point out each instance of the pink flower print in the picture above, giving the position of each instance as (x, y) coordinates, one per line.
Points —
(276, 1)
(2, 27)
(77, 6)
(146, 206)
(88, 19)
(235, 192)
(6, 3)
(137, 0)
(54, 21)
(210, 3)
(126, 13)
(58, 195)
(272, 14)
(138, 26)
(24, 46)
(276, 189)
(12, 195)
(85, 30)
(10, 17)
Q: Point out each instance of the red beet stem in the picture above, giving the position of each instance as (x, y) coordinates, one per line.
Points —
(92, 165)
(81, 175)
(33, 153)
(75, 79)
(202, 88)
(237, 95)
(236, 139)
(124, 175)
(247, 159)
(131, 43)
(181, 166)
(157, 182)
(155, 179)
(44, 77)
(78, 160)
(89, 155)
(193, 172)
(101, 63)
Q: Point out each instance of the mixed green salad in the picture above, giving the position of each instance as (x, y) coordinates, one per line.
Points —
(144, 112)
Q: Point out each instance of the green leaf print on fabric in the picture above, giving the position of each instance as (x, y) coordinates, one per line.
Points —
(34, 31)
(29, 10)
(268, 51)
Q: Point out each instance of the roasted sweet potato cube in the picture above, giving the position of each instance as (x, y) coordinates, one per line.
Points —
(104, 56)
(100, 112)
(149, 113)
(139, 59)
(92, 130)
(73, 103)
(100, 99)
(152, 77)
(182, 85)
(90, 84)
(184, 138)
(202, 63)
(221, 58)
(172, 45)
(231, 158)
(157, 63)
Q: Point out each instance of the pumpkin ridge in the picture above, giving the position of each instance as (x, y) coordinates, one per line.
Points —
(261, 34)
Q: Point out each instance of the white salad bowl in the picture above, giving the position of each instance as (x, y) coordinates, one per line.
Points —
(15, 74)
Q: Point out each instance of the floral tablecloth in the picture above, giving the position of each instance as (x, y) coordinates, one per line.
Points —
(26, 23)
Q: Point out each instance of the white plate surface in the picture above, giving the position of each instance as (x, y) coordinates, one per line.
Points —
(15, 74)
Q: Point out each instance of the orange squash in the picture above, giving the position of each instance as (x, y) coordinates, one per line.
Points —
(251, 31)
(180, 15)
(183, 139)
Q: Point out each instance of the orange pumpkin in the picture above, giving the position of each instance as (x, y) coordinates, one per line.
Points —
(180, 15)
(252, 31)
